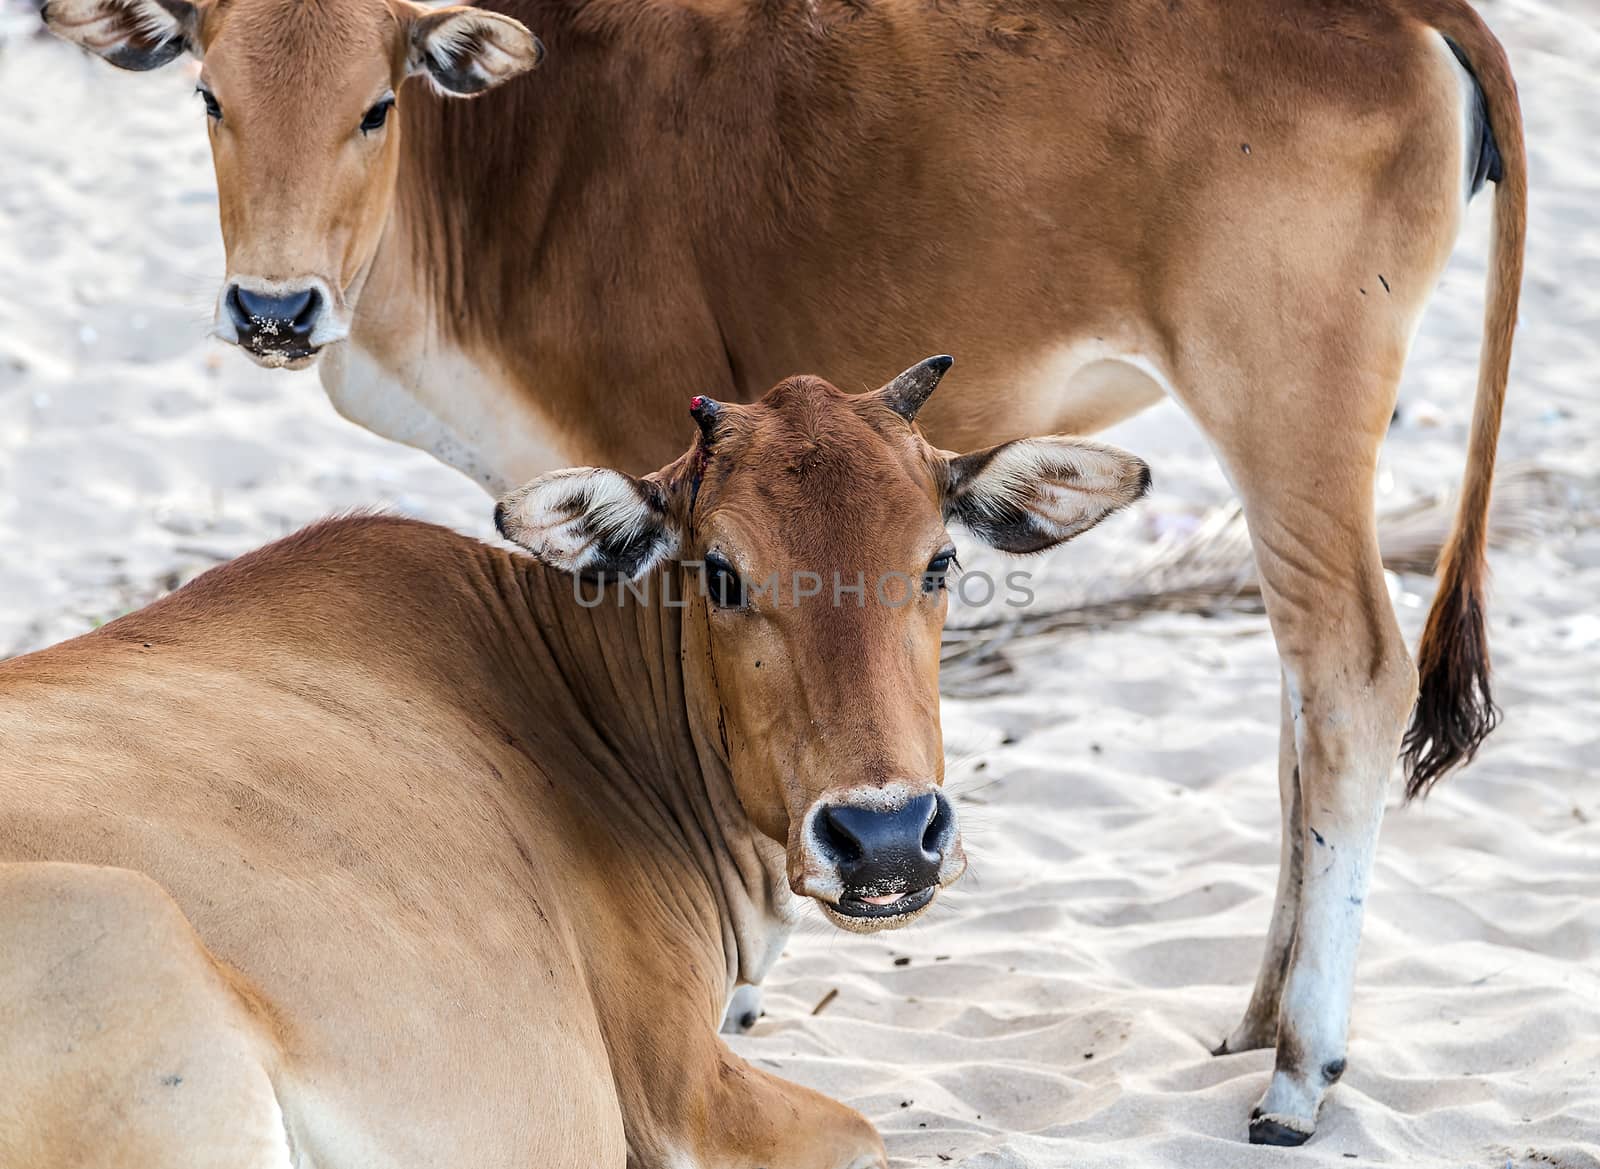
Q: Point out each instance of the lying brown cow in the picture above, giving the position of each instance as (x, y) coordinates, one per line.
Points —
(1243, 204)
(382, 847)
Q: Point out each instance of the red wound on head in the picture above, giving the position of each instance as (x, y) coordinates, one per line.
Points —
(696, 402)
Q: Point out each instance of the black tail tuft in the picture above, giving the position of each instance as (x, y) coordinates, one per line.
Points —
(1455, 711)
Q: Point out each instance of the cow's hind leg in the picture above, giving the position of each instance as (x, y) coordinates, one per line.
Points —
(1259, 1027)
(1350, 687)
(122, 1043)
(1303, 458)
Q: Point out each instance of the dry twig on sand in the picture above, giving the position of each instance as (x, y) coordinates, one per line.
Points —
(1209, 570)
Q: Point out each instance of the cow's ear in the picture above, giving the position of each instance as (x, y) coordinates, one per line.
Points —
(131, 34)
(464, 51)
(591, 522)
(1035, 493)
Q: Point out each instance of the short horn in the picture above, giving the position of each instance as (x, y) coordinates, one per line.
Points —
(705, 411)
(906, 394)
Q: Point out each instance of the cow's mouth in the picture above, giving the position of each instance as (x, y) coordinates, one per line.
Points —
(281, 357)
(862, 913)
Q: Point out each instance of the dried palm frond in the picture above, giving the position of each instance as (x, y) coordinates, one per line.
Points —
(1210, 570)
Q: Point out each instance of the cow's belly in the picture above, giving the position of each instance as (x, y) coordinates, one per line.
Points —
(1085, 386)
(1071, 386)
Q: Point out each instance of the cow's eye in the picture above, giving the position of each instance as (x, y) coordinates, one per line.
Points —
(213, 110)
(377, 115)
(723, 583)
(938, 568)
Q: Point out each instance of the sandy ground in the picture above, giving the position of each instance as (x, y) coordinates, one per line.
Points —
(1119, 795)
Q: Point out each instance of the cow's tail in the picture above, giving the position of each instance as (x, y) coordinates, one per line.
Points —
(1455, 711)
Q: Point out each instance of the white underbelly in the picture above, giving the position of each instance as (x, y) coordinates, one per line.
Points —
(1082, 386)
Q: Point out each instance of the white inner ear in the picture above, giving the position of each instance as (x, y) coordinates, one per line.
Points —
(489, 46)
(1067, 486)
(102, 26)
(154, 21)
(568, 517)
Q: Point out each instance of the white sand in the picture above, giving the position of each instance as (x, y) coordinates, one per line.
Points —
(1057, 1010)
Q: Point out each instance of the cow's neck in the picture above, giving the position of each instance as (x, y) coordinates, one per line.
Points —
(605, 238)
(658, 770)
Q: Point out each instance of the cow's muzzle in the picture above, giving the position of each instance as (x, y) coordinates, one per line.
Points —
(276, 327)
(877, 860)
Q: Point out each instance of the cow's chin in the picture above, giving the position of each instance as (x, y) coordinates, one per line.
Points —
(863, 917)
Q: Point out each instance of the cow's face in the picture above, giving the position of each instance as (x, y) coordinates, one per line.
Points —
(299, 99)
(811, 530)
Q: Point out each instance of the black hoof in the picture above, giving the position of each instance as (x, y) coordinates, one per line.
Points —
(1264, 1131)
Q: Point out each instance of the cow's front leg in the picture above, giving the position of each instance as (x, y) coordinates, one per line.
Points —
(714, 1110)
(758, 1119)
(744, 1008)
(687, 1100)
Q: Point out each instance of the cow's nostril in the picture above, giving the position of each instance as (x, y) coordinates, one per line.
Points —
(838, 837)
(937, 834)
(309, 308)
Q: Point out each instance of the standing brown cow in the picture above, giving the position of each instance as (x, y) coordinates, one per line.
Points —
(1244, 204)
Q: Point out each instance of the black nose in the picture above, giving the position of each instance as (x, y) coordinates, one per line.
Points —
(883, 851)
(277, 323)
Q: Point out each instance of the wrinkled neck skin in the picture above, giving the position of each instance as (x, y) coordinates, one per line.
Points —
(656, 777)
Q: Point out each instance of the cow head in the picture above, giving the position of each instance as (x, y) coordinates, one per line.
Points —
(809, 531)
(299, 99)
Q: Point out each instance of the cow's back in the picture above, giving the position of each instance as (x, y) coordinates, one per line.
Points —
(1034, 191)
